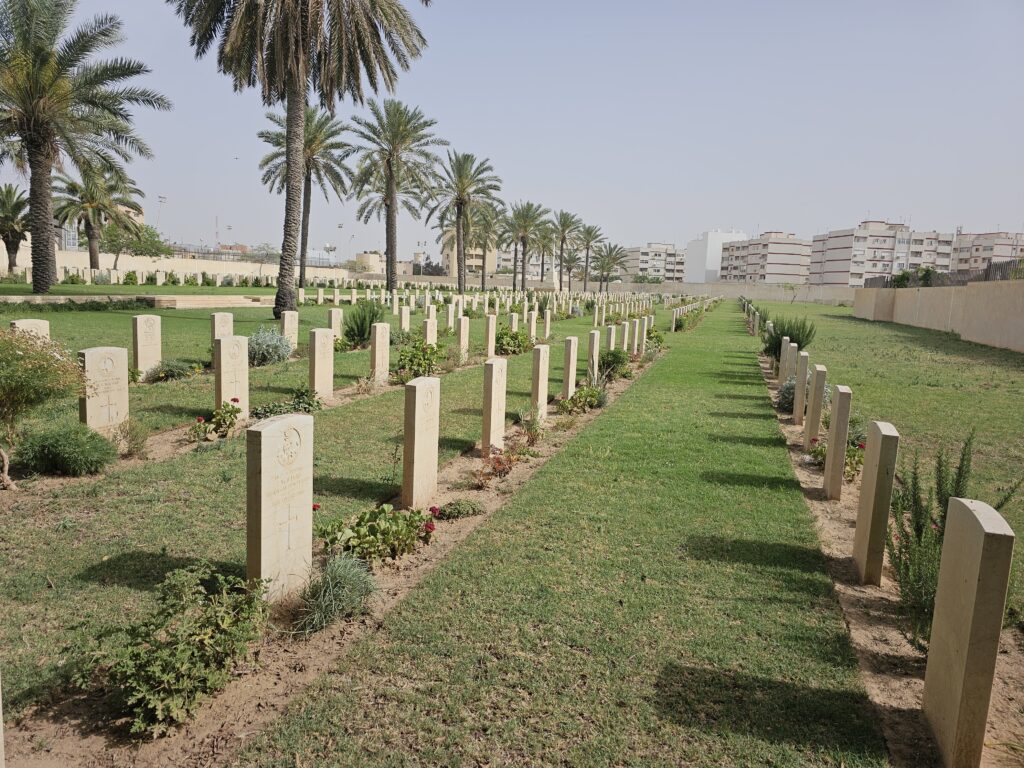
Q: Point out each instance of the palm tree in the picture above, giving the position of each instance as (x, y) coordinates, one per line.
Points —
(609, 259)
(101, 197)
(57, 102)
(588, 236)
(463, 182)
(13, 222)
(287, 46)
(323, 152)
(566, 226)
(544, 243)
(571, 262)
(486, 234)
(395, 160)
(527, 224)
(507, 239)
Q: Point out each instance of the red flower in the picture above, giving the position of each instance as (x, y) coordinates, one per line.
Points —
(428, 527)
(316, 507)
(435, 511)
(234, 399)
(814, 441)
(200, 419)
(861, 446)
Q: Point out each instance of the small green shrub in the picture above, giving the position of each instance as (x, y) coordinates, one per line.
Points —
(415, 360)
(800, 331)
(399, 338)
(339, 591)
(186, 650)
(171, 370)
(509, 342)
(379, 533)
(303, 401)
(130, 278)
(583, 399)
(72, 450)
(151, 278)
(73, 278)
(613, 364)
(171, 278)
(130, 438)
(655, 339)
(787, 394)
(456, 509)
(267, 346)
(359, 322)
(191, 280)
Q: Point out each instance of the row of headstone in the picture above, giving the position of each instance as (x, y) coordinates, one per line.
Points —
(974, 566)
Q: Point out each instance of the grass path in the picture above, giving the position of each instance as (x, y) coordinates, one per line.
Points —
(653, 596)
(87, 560)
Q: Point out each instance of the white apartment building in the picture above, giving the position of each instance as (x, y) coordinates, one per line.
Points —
(655, 260)
(773, 257)
(977, 251)
(703, 262)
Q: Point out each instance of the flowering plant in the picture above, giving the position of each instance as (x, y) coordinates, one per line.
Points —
(377, 534)
(226, 417)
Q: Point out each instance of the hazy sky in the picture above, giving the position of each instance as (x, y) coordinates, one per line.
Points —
(655, 119)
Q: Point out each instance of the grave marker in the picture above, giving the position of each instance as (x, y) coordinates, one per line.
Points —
(104, 405)
(495, 382)
(380, 352)
(419, 458)
(572, 344)
(27, 325)
(146, 342)
(463, 339)
(800, 393)
(290, 327)
(231, 372)
(880, 454)
(813, 423)
(838, 434)
(539, 391)
(593, 354)
(321, 362)
(221, 324)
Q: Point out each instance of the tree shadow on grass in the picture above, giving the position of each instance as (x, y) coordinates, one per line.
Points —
(358, 488)
(760, 554)
(172, 410)
(751, 480)
(757, 442)
(739, 703)
(457, 444)
(756, 398)
(759, 415)
(144, 570)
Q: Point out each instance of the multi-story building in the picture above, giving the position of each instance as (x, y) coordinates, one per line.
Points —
(774, 257)
(847, 257)
(473, 260)
(977, 251)
(655, 260)
(703, 261)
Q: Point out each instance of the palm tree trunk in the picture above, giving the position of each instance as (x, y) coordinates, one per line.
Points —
(460, 247)
(542, 253)
(561, 258)
(93, 238)
(307, 194)
(515, 263)
(483, 269)
(525, 261)
(391, 230)
(12, 245)
(295, 123)
(40, 216)
(586, 270)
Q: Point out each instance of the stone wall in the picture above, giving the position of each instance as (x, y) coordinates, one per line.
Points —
(990, 313)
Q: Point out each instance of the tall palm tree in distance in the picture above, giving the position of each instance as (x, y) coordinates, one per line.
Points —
(100, 198)
(544, 244)
(609, 259)
(571, 262)
(566, 226)
(58, 102)
(286, 47)
(323, 152)
(588, 236)
(527, 223)
(486, 236)
(462, 183)
(397, 150)
(507, 239)
(13, 222)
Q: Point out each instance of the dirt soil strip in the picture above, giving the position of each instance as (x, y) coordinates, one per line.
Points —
(892, 669)
(77, 733)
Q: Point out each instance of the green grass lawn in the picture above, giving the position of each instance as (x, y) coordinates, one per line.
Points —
(934, 388)
(18, 289)
(186, 336)
(87, 560)
(655, 595)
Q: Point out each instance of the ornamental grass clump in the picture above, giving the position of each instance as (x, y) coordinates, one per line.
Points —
(171, 370)
(613, 364)
(359, 321)
(339, 591)
(800, 331)
(916, 530)
(267, 346)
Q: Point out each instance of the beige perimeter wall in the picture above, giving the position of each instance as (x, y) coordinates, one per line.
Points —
(989, 313)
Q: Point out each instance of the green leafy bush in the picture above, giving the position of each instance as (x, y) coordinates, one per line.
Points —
(787, 395)
(583, 399)
(359, 322)
(130, 278)
(339, 591)
(267, 346)
(378, 533)
(171, 278)
(799, 330)
(509, 342)
(171, 370)
(151, 278)
(303, 401)
(690, 320)
(456, 509)
(186, 650)
(72, 450)
(73, 278)
(417, 359)
(916, 530)
(613, 364)
(655, 339)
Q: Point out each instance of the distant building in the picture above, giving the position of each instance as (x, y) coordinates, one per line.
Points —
(655, 260)
(772, 258)
(372, 262)
(703, 260)
(977, 251)
(474, 260)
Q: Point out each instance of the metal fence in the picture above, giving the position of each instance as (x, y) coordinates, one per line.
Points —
(928, 278)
